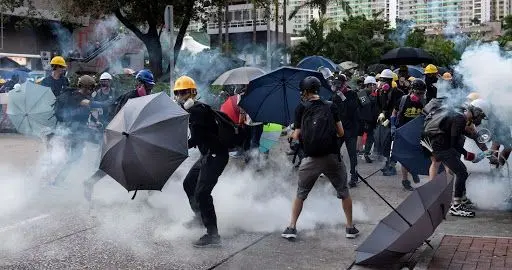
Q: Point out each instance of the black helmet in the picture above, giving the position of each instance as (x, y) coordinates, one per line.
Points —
(310, 84)
(419, 85)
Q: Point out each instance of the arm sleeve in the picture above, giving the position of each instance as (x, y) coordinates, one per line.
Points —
(335, 113)
(299, 111)
(198, 129)
(101, 104)
(457, 129)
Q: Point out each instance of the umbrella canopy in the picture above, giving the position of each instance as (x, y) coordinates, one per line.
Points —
(406, 56)
(424, 209)
(230, 107)
(30, 108)
(377, 68)
(191, 45)
(7, 74)
(242, 75)
(273, 97)
(348, 65)
(315, 62)
(270, 137)
(415, 71)
(145, 142)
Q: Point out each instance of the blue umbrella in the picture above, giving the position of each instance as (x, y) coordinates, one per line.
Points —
(415, 71)
(407, 149)
(7, 74)
(273, 97)
(314, 62)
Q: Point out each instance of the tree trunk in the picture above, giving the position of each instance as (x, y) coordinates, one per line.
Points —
(226, 33)
(219, 21)
(154, 48)
(277, 21)
(285, 31)
(254, 18)
(183, 30)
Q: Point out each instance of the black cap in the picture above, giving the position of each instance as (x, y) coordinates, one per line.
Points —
(310, 84)
(419, 85)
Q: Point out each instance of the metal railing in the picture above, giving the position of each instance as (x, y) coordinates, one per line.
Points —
(236, 24)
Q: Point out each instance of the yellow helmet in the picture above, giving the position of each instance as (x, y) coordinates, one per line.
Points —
(395, 77)
(430, 69)
(473, 96)
(411, 79)
(58, 61)
(377, 76)
(394, 84)
(447, 76)
(2, 81)
(184, 83)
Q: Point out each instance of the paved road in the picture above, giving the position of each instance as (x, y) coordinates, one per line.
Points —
(45, 227)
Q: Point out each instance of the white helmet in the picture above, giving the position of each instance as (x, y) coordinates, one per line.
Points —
(369, 79)
(387, 73)
(481, 104)
(105, 76)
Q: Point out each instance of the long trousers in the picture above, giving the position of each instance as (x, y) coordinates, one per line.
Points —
(451, 159)
(351, 145)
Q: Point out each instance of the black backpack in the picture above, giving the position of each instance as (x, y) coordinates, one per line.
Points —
(230, 135)
(318, 129)
(435, 112)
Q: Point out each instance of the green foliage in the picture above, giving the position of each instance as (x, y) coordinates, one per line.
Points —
(442, 50)
(416, 38)
(314, 43)
(322, 6)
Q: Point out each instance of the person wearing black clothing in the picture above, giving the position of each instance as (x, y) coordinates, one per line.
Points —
(347, 102)
(431, 73)
(410, 107)
(448, 145)
(9, 85)
(368, 114)
(104, 93)
(204, 174)
(57, 80)
(325, 158)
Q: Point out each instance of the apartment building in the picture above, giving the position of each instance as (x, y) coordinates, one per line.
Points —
(386, 8)
(301, 20)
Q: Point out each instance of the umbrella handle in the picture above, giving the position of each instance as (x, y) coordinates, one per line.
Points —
(134, 194)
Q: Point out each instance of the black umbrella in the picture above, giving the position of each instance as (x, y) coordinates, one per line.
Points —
(145, 142)
(376, 68)
(406, 56)
(409, 225)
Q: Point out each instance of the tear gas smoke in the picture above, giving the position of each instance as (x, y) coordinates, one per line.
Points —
(64, 37)
(402, 31)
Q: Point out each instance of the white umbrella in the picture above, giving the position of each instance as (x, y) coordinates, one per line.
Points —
(348, 65)
(242, 75)
(30, 108)
(193, 46)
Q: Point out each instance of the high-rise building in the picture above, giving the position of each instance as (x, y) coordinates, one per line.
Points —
(301, 20)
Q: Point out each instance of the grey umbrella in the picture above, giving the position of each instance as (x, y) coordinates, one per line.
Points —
(145, 142)
(409, 225)
(242, 75)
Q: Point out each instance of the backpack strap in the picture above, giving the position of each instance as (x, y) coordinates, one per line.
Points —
(402, 104)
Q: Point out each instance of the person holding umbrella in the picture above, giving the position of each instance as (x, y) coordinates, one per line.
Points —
(57, 80)
(204, 174)
(431, 73)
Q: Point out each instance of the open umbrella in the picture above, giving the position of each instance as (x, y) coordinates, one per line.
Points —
(376, 68)
(30, 108)
(145, 142)
(270, 137)
(406, 56)
(242, 75)
(273, 97)
(415, 71)
(348, 65)
(409, 225)
(314, 62)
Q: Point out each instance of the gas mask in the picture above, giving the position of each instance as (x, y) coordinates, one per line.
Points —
(417, 96)
(141, 90)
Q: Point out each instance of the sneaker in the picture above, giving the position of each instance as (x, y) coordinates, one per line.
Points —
(459, 210)
(467, 203)
(407, 185)
(208, 240)
(351, 233)
(390, 172)
(353, 181)
(367, 159)
(415, 178)
(289, 233)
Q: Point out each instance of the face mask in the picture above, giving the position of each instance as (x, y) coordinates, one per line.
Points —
(188, 104)
(415, 98)
(141, 90)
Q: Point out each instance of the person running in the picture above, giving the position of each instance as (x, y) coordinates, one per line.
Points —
(410, 107)
(368, 114)
(318, 127)
(145, 83)
(204, 174)
(57, 80)
(445, 130)
(347, 102)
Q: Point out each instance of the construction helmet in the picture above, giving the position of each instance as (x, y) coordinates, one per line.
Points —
(430, 69)
(145, 76)
(395, 77)
(184, 83)
(58, 61)
(480, 110)
(311, 84)
(419, 85)
(394, 84)
(473, 96)
(86, 81)
(447, 76)
(105, 76)
(370, 80)
(411, 79)
(377, 76)
(386, 74)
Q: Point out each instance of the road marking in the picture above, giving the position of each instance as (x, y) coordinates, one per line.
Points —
(24, 222)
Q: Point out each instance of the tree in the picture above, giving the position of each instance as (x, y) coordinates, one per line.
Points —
(322, 5)
(416, 38)
(314, 41)
(442, 50)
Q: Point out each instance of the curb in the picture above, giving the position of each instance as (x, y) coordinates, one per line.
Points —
(426, 256)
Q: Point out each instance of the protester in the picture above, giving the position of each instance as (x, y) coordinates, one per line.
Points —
(444, 129)
(204, 174)
(318, 127)
(100, 117)
(145, 83)
(431, 73)
(388, 100)
(57, 80)
(347, 102)
(9, 85)
(254, 130)
(368, 114)
(410, 107)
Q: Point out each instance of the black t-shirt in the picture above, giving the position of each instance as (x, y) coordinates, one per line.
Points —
(410, 111)
(57, 86)
(299, 112)
(453, 126)
(348, 111)
(204, 130)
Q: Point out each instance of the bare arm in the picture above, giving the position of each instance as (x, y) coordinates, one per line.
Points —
(339, 129)
(296, 134)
